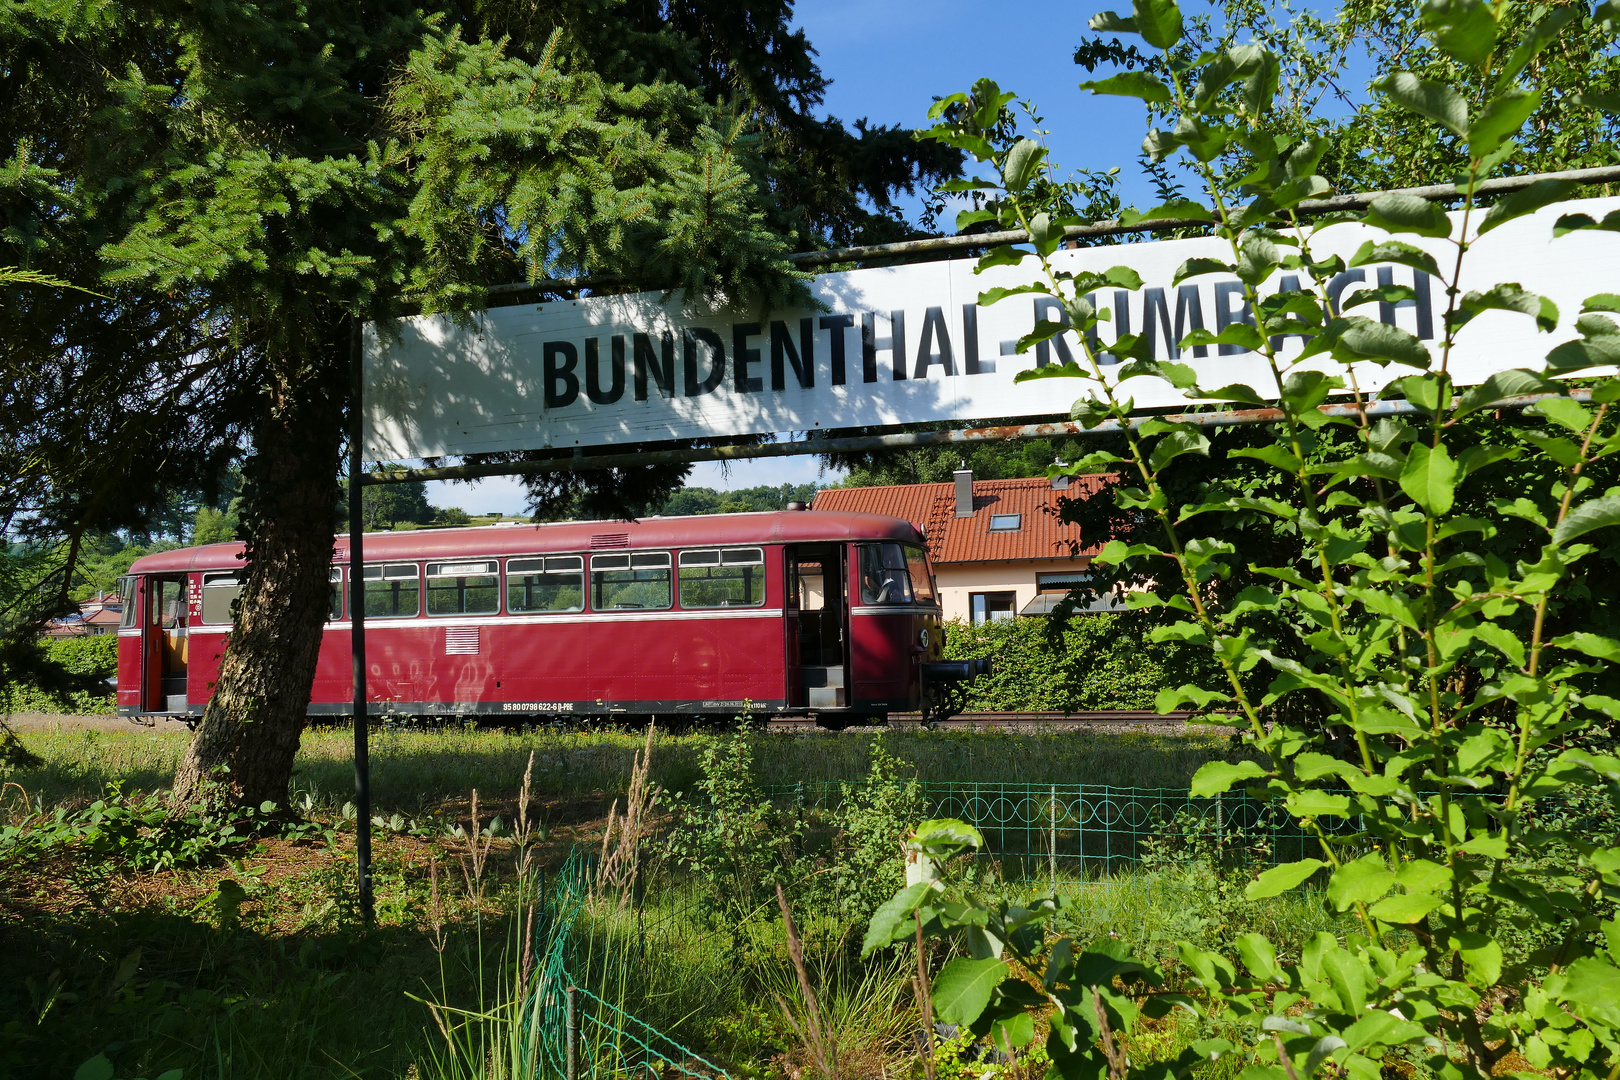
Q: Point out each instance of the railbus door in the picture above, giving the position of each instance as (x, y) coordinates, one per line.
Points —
(164, 647)
(818, 633)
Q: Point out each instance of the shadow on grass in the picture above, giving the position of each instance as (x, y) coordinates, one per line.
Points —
(155, 988)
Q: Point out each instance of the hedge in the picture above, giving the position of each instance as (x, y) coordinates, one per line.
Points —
(1101, 661)
(93, 657)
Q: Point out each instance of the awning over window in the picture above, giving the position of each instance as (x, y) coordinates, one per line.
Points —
(1045, 602)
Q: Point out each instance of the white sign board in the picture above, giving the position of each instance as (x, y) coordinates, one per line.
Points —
(904, 345)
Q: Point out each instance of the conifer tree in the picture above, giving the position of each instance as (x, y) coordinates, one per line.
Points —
(243, 184)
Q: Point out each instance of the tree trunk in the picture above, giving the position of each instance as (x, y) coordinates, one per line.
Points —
(243, 751)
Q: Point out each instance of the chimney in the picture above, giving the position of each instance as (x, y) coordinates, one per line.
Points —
(1061, 482)
(964, 492)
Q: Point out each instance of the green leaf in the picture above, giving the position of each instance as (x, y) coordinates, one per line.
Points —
(1175, 445)
(1599, 513)
(1259, 956)
(1437, 101)
(1359, 882)
(944, 837)
(1501, 385)
(1481, 957)
(97, 1068)
(1593, 987)
(1279, 879)
(1525, 201)
(1394, 251)
(1195, 267)
(1405, 909)
(1510, 297)
(1594, 645)
(1214, 777)
(1541, 33)
(1383, 343)
(1023, 162)
(1430, 478)
(1174, 210)
(963, 988)
(1158, 21)
(1137, 84)
(889, 921)
(1408, 214)
(1609, 103)
(1464, 29)
(1110, 22)
(1311, 803)
(1501, 119)
(1010, 1033)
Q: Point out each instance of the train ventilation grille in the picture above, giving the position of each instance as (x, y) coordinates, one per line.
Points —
(462, 640)
(610, 540)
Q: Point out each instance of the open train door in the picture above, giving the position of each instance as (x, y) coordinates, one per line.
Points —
(164, 645)
(817, 627)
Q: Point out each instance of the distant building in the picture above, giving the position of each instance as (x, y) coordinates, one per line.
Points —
(998, 547)
(95, 617)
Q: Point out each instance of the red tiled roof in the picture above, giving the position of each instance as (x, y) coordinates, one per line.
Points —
(968, 539)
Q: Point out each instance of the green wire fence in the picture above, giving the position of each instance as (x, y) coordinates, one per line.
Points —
(582, 1034)
(1035, 829)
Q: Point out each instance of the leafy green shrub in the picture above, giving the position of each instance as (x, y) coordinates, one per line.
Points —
(872, 821)
(88, 662)
(730, 835)
(1102, 661)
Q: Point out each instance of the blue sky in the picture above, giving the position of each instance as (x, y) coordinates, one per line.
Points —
(888, 60)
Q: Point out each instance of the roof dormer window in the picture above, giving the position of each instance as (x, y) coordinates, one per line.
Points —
(1006, 522)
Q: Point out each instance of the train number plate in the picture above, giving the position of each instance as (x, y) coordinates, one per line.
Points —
(537, 706)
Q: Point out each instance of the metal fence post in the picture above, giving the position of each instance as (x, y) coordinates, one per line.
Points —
(571, 1037)
(1052, 829)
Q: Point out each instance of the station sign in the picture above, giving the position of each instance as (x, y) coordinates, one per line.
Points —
(887, 347)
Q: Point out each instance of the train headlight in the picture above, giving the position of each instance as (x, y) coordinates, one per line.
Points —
(922, 637)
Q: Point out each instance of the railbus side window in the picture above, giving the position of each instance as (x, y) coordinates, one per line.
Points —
(884, 575)
(463, 588)
(128, 616)
(335, 608)
(219, 593)
(630, 582)
(554, 583)
(392, 590)
(734, 578)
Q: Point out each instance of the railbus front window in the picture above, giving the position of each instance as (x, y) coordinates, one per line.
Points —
(463, 588)
(922, 579)
(392, 591)
(734, 578)
(630, 582)
(554, 583)
(128, 617)
(885, 578)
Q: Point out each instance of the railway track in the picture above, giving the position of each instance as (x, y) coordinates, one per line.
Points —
(1092, 719)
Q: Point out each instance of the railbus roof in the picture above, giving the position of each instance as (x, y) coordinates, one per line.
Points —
(773, 527)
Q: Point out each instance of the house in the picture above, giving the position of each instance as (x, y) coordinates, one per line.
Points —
(997, 546)
(95, 617)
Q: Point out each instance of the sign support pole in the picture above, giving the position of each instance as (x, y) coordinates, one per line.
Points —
(357, 629)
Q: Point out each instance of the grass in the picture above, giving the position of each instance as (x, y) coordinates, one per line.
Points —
(414, 772)
(254, 964)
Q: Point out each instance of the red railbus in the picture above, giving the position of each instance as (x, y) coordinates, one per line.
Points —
(807, 613)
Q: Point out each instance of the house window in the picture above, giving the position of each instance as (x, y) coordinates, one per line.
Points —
(988, 607)
(1006, 522)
